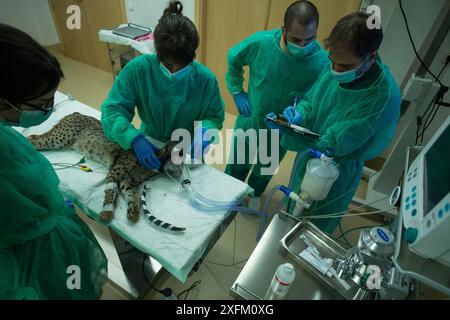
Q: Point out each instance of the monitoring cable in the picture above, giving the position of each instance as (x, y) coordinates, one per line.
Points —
(187, 291)
(438, 98)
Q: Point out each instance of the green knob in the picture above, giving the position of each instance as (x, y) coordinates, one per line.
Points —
(410, 235)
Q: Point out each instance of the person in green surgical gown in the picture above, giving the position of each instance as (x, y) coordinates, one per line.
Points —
(283, 64)
(355, 106)
(46, 250)
(170, 91)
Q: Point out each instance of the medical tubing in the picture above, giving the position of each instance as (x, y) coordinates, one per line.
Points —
(342, 215)
(315, 153)
(199, 198)
(202, 203)
(270, 196)
(298, 160)
(338, 214)
(212, 209)
(265, 210)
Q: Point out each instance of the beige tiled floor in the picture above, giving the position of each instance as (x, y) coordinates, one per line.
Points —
(90, 85)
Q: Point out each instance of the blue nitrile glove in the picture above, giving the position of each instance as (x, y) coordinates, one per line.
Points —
(272, 125)
(292, 115)
(202, 139)
(242, 104)
(145, 152)
(70, 205)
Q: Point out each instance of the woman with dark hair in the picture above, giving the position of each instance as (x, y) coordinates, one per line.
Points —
(46, 251)
(169, 89)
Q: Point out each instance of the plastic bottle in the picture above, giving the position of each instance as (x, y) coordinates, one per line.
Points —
(319, 177)
(281, 282)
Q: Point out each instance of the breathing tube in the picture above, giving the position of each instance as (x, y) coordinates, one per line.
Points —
(210, 206)
(181, 175)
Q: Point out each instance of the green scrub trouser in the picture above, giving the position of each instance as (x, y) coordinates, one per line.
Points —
(258, 179)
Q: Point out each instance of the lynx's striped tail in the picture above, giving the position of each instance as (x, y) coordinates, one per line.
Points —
(154, 219)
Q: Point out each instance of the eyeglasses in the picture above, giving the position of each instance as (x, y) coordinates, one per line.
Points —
(46, 108)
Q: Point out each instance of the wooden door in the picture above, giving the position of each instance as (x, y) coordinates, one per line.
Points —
(76, 43)
(103, 14)
(84, 45)
(223, 23)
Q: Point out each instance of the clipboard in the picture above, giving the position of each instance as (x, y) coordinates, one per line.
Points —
(281, 121)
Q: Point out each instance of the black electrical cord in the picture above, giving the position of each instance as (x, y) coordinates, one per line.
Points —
(445, 66)
(187, 291)
(434, 106)
(421, 128)
(439, 95)
(419, 124)
(128, 251)
(227, 265)
(414, 46)
(343, 236)
(438, 99)
(166, 292)
(426, 125)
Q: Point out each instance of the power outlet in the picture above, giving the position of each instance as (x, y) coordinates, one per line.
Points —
(130, 5)
(414, 88)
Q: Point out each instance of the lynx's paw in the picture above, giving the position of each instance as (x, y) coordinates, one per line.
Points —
(106, 216)
(133, 214)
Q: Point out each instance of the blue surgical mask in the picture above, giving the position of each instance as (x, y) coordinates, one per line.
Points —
(28, 118)
(351, 75)
(178, 75)
(300, 52)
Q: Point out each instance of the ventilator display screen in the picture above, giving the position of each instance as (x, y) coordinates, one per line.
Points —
(437, 172)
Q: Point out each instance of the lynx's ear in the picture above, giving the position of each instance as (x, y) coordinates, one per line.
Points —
(165, 151)
(171, 152)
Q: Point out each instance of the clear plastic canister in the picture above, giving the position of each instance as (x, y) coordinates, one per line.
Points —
(319, 177)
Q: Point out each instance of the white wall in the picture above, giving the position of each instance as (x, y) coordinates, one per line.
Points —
(148, 12)
(425, 18)
(31, 16)
(436, 67)
(396, 49)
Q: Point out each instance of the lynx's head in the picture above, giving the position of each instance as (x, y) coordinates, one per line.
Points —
(172, 160)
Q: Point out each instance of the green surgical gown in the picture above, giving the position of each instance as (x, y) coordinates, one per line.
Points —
(40, 237)
(275, 80)
(163, 104)
(357, 120)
